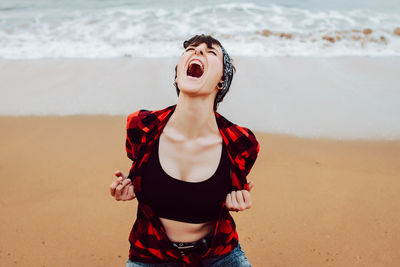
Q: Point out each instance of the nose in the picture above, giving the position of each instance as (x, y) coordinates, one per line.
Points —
(199, 50)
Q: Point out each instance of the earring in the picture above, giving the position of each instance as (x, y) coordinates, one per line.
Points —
(220, 84)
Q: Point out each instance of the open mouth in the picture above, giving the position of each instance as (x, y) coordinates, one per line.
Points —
(195, 68)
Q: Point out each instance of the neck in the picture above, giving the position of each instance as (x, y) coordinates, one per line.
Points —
(194, 117)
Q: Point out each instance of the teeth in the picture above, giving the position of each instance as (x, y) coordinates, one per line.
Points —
(198, 62)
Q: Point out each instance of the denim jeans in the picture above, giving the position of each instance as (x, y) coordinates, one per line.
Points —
(235, 258)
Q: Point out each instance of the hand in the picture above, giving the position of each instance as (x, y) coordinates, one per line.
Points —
(239, 200)
(122, 188)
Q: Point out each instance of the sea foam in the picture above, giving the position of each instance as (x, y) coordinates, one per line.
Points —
(117, 29)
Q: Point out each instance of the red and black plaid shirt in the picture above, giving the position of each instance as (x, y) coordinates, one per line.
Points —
(148, 239)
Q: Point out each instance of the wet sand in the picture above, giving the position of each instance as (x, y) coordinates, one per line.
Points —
(338, 97)
(317, 202)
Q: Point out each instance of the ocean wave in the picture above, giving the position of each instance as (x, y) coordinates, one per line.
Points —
(245, 29)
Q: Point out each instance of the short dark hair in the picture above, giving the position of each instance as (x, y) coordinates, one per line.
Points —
(209, 41)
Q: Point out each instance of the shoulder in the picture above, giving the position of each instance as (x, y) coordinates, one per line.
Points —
(241, 137)
(135, 117)
(144, 118)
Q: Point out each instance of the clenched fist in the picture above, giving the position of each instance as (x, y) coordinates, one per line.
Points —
(239, 200)
(122, 187)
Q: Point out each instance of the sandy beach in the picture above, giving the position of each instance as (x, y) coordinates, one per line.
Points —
(317, 202)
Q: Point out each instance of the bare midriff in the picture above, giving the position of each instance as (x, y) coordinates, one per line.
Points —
(186, 232)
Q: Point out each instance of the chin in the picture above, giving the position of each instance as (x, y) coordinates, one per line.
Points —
(190, 89)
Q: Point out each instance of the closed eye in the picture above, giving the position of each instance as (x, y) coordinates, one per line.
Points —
(210, 51)
(190, 48)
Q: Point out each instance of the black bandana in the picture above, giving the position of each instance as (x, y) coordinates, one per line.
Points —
(227, 76)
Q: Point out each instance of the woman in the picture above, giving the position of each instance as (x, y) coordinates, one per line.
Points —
(189, 169)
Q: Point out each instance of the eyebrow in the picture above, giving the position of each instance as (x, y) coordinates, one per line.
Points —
(211, 48)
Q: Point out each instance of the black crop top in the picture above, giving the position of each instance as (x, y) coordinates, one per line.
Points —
(192, 202)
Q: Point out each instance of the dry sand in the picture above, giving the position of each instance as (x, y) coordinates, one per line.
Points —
(316, 202)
